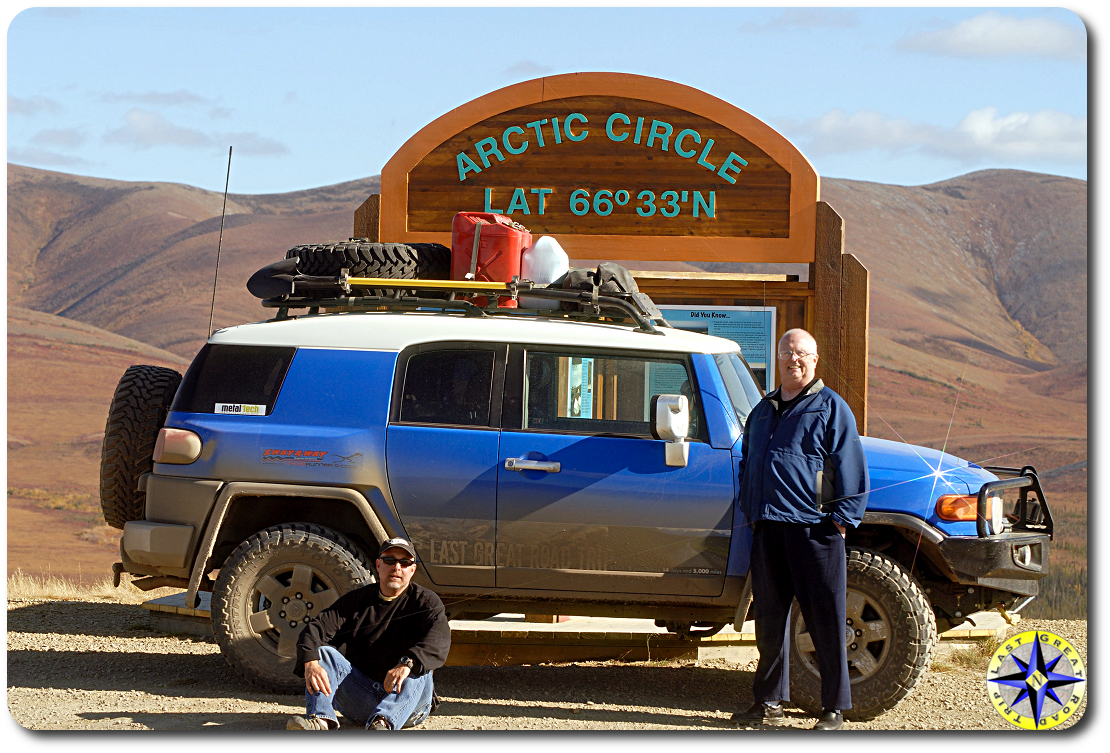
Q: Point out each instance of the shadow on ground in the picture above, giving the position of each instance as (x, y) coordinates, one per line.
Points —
(645, 691)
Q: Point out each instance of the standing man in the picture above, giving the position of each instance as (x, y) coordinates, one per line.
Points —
(396, 633)
(803, 482)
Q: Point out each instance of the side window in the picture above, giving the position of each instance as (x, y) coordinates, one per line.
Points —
(234, 379)
(448, 387)
(600, 394)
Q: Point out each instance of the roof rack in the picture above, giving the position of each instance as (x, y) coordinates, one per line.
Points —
(282, 288)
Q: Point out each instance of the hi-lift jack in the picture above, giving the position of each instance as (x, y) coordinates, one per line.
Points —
(281, 286)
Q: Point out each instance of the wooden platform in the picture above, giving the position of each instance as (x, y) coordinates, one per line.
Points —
(510, 640)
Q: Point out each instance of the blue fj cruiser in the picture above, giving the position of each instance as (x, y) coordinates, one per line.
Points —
(548, 462)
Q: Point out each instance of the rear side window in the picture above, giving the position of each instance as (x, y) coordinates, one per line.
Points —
(601, 394)
(448, 387)
(234, 380)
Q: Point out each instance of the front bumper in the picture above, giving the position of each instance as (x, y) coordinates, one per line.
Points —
(1012, 562)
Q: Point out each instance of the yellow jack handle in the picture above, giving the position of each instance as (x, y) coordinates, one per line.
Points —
(381, 282)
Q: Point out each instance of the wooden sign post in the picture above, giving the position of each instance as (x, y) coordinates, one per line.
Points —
(637, 169)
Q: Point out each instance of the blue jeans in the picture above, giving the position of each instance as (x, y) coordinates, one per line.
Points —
(361, 699)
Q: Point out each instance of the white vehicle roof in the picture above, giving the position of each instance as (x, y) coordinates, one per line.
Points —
(394, 331)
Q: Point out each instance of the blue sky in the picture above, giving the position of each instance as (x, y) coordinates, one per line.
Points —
(310, 97)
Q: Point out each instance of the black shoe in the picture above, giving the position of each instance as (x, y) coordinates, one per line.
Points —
(829, 720)
(378, 723)
(760, 713)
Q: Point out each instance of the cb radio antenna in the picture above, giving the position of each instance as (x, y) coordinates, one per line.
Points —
(220, 244)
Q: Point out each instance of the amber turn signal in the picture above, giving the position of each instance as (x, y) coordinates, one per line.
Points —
(177, 446)
(960, 507)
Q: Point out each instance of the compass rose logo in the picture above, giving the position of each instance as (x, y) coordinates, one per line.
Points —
(1036, 680)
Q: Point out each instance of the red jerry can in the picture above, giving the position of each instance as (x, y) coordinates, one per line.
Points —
(488, 247)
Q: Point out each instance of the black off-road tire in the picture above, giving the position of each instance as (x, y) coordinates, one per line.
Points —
(310, 566)
(896, 615)
(394, 261)
(139, 407)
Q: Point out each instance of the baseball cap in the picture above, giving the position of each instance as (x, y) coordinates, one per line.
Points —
(399, 544)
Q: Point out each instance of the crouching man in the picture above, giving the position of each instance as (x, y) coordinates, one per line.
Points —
(396, 634)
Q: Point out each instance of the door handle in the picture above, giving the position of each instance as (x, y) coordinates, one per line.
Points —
(521, 464)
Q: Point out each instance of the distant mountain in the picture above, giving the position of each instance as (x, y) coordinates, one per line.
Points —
(970, 259)
(138, 259)
(978, 318)
(982, 277)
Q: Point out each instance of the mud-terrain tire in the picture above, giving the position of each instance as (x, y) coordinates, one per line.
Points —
(308, 565)
(886, 605)
(394, 261)
(139, 407)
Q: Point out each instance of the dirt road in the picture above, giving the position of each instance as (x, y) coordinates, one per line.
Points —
(97, 665)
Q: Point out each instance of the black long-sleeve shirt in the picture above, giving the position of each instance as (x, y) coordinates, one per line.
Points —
(378, 633)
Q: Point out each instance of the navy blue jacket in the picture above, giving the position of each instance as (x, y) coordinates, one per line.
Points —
(806, 465)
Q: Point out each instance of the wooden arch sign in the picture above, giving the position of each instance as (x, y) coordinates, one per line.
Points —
(614, 166)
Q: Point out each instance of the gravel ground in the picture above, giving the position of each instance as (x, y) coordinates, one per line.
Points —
(97, 665)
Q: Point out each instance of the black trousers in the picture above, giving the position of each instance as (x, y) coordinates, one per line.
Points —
(791, 560)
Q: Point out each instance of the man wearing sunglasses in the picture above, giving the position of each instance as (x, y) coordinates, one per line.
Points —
(803, 483)
(396, 634)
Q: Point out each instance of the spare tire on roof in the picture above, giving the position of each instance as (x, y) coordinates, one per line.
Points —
(393, 261)
(139, 407)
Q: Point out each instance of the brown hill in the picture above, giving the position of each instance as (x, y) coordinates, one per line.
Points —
(978, 307)
(995, 261)
(978, 312)
(61, 375)
(138, 259)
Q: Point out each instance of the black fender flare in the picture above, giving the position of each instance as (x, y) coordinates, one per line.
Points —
(231, 491)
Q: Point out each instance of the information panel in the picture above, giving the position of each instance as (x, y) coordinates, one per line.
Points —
(580, 388)
(750, 327)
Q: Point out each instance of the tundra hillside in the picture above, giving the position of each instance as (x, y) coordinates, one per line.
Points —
(978, 328)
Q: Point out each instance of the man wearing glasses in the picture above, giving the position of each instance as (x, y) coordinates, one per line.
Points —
(396, 633)
(803, 482)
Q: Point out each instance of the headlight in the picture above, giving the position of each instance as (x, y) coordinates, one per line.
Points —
(961, 507)
(994, 513)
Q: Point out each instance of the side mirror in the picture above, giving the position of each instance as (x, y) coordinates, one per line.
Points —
(670, 421)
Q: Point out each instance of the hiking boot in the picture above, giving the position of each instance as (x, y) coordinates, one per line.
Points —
(829, 720)
(378, 723)
(760, 713)
(306, 722)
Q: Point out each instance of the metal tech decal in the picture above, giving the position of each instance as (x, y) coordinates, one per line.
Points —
(308, 457)
(240, 409)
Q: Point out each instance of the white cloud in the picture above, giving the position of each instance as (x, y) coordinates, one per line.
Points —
(251, 143)
(43, 158)
(1040, 135)
(32, 106)
(981, 136)
(143, 129)
(993, 35)
(66, 138)
(219, 113)
(807, 18)
(527, 68)
(156, 99)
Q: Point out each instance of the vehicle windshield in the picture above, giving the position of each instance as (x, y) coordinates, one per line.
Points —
(742, 388)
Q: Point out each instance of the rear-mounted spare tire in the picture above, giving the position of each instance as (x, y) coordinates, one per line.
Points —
(393, 261)
(139, 407)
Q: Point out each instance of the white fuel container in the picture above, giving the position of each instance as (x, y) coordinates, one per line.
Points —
(543, 263)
